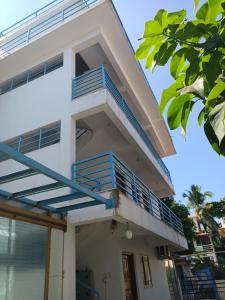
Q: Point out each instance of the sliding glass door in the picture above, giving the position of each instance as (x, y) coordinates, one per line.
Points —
(23, 260)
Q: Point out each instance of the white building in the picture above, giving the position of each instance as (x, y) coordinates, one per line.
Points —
(202, 242)
(74, 98)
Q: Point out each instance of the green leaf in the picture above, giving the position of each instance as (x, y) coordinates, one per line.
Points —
(161, 17)
(187, 108)
(197, 88)
(168, 94)
(164, 53)
(203, 13)
(201, 116)
(212, 69)
(150, 62)
(192, 72)
(217, 121)
(177, 62)
(196, 2)
(188, 31)
(143, 49)
(214, 8)
(176, 17)
(152, 28)
(175, 109)
(217, 90)
(212, 138)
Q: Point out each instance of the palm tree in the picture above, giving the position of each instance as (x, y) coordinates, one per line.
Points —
(197, 201)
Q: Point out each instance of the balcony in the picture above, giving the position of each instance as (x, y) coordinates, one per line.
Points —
(204, 248)
(29, 28)
(105, 172)
(96, 79)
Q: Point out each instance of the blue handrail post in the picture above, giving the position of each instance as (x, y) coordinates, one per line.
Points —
(62, 15)
(45, 68)
(19, 144)
(150, 202)
(28, 35)
(113, 172)
(161, 209)
(40, 138)
(73, 88)
(134, 188)
(12, 84)
(103, 76)
(73, 171)
(170, 217)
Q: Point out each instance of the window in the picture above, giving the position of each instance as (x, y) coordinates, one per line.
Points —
(34, 140)
(147, 278)
(34, 73)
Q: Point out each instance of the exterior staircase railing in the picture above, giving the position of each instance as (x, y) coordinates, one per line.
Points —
(86, 292)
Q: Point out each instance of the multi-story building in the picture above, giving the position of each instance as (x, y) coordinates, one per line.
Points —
(222, 227)
(202, 242)
(75, 106)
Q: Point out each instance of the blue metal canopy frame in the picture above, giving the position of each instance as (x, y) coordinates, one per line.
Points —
(36, 168)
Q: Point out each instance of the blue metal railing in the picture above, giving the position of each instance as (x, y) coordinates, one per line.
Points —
(29, 34)
(99, 78)
(32, 74)
(30, 17)
(34, 140)
(86, 292)
(106, 172)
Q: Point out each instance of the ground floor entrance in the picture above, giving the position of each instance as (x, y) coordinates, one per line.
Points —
(23, 260)
(30, 267)
(129, 277)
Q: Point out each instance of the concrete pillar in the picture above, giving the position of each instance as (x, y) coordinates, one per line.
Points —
(68, 140)
(69, 270)
(68, 156)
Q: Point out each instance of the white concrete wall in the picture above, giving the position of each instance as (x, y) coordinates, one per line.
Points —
(100, 250)
(36, 104)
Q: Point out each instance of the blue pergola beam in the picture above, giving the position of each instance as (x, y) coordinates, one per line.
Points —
(65, 209)
(54, 200)
(29, 202)
(17, 175)
(38, 190)
(19, 157)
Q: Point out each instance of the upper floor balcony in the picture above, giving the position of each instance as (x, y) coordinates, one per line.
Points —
(97, 79)
(41, 21)
(106, 172)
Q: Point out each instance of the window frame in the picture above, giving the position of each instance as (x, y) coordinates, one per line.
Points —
(146, 271)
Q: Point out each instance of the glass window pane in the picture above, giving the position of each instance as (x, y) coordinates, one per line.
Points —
(23, 255)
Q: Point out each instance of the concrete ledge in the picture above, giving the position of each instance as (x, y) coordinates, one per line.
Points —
(128, 211)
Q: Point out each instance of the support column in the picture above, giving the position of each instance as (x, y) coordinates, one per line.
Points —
(68, 156)
(69, 277)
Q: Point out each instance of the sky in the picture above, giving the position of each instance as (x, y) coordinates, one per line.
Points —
(195, 161)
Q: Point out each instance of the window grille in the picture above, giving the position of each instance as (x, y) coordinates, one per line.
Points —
(34, 73)
(34, 140)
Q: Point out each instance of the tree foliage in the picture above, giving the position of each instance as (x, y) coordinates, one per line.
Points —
(182, 212)
(197, 201)
(216, 209)
(196, 51)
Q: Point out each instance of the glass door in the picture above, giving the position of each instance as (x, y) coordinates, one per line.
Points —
(23, 260)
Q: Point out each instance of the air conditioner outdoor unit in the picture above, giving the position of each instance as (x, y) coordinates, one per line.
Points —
(163, 252)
